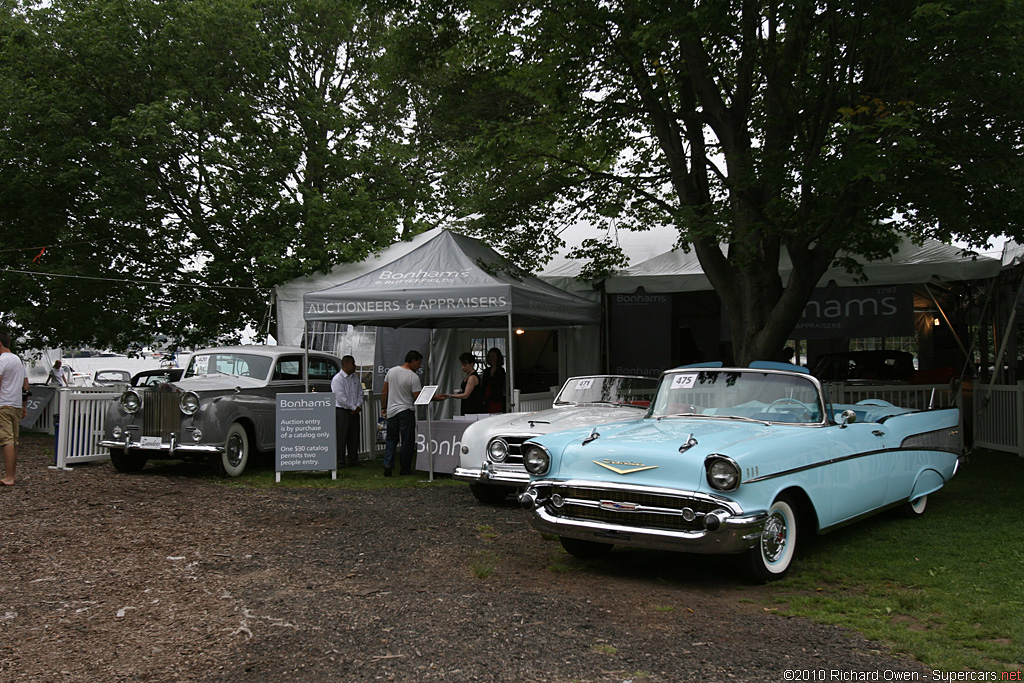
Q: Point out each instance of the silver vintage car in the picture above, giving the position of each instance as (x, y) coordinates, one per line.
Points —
(222, 409)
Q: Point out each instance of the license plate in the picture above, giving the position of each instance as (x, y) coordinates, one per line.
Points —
(149, 442)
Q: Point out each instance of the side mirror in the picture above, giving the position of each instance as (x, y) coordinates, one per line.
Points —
(847, 417)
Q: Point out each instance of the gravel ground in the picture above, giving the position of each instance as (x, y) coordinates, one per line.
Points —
(167, 576)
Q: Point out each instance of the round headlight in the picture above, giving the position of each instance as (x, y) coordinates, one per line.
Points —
(131, 402)
(723, 473)
(536, 459)
(189, 403)
(497, 450)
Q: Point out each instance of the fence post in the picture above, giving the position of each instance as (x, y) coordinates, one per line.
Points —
(1018, 404)
(63, 429)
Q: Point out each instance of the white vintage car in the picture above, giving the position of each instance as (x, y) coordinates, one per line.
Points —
(490, 458)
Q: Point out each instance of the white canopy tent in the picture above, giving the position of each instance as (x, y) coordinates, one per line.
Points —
(657, 266)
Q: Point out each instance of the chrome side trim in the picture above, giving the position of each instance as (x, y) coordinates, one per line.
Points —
(832, 461)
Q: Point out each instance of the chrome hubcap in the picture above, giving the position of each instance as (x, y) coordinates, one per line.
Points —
(234, 450)
(773, 540)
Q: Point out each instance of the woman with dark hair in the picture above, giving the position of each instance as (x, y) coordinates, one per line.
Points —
(472, 392)
(494, 382)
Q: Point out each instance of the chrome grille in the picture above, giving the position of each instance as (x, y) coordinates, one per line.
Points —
(160, 413)
(658, 511)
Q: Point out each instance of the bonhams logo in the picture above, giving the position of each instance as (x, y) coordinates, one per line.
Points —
(423, 275)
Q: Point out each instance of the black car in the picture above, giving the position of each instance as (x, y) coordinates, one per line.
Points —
(876, 365)
(148, 378)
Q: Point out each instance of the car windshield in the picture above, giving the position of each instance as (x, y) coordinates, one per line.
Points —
(236, 364)
(738, 394)
(632, 391)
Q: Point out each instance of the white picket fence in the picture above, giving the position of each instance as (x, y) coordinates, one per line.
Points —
(77, 419)
(999, 417)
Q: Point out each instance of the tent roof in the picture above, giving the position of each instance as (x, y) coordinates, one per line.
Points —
(447, 280)
(672, 270)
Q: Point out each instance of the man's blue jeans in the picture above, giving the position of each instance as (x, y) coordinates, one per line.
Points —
(401, 427)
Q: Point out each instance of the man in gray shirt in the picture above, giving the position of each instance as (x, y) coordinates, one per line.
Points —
(398, 405)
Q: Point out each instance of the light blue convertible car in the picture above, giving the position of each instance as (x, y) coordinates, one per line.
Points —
(736, 460)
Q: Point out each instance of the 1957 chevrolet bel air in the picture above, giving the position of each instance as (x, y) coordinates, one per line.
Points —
(736, 460)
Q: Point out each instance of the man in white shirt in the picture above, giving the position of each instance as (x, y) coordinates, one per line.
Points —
(398, 405)
(348, 405)
(13, 382)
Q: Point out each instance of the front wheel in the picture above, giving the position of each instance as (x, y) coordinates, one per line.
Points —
(584, 550)
(123, 462)
(232, 462)
(770, 559)
(489, 494)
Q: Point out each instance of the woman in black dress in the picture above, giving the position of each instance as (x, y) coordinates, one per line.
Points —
(472, 392)
(494, 382)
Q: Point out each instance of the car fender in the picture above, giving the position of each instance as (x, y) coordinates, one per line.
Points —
(928, 481)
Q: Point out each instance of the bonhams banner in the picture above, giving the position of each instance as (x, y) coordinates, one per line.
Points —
(639, 333)
(855, 312)
(391, 347)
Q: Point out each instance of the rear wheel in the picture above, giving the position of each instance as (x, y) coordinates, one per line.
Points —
(232, 462)
(123, 462)
(770, 559)
(489, 494)
(584, 550)
(914, 508)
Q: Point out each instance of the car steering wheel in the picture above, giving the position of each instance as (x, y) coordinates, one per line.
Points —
(804, 413)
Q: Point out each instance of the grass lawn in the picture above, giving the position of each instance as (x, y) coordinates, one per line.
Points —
(946, 588)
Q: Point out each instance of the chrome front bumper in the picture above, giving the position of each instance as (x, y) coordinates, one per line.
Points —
(170, 449)
(727, 535)
(492, 473)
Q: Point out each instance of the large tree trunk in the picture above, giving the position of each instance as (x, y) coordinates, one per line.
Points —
(761, 309)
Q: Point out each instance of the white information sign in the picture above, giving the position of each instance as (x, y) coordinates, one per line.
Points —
(426, 394)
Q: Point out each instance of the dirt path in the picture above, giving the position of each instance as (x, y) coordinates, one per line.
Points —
(164, 576)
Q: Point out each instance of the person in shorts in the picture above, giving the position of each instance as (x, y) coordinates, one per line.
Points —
(13, 382)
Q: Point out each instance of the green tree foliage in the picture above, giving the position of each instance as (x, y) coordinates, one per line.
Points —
(217, 147)
(821, 129)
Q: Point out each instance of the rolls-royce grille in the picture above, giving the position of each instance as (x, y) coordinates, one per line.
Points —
(632, 508)
(160, 413)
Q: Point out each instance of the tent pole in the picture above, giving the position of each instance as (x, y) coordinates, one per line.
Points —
(510, 391)
(305, 348)
(430, 407)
